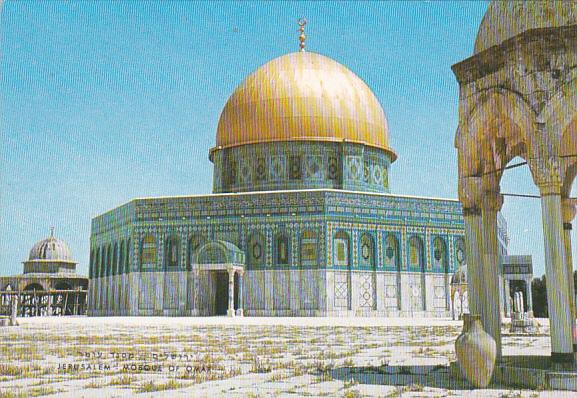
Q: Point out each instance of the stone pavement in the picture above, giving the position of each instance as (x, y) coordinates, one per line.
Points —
(242, 357)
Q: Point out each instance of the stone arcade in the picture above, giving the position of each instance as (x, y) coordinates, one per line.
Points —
(518, 98)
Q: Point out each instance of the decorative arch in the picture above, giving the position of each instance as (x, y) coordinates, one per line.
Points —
(500, 127)
(96, 270)
(282, 249)
(192, 245)
(115, 259)
(256, 249)
(91, 264)
(127, 258)
(440, 260)
(416, 253)
(309, 248)
(148, 252)
(171, 252)
(367, 251)
(109, 260)
(121, 257)
(218, 252)
(63, 286)
(560, 114)
(34, 287)
(392, 258)
(342, 249)
(103, 261)
(460, 254)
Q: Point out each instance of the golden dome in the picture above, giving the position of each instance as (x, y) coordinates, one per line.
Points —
(506, 19)
(303, 96)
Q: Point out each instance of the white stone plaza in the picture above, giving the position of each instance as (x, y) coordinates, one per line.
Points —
(244, 357)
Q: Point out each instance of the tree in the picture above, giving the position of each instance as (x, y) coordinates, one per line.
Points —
(539, 290)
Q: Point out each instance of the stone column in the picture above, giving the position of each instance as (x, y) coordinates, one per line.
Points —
(230, 311)
(569, 212)
(240, 311)
(558, 291)
(506, 298)
(14, 309)
(489, 293)
(529, 298)
(49, 304)
(473, 245)
(470, 196)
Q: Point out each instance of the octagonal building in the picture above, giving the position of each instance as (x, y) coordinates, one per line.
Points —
(300, 221)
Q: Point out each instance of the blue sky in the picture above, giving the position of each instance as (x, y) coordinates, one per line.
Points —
(103, 102)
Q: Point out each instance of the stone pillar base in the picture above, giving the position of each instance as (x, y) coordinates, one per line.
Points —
(230, 313)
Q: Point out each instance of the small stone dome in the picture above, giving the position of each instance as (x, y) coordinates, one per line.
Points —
(506, 19)
(460, 276)
(50, 249)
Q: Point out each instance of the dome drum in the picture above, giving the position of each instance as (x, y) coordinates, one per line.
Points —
(301, 165)
(50, 267)
(302, 121)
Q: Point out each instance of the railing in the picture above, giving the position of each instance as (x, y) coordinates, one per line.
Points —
(44, 302)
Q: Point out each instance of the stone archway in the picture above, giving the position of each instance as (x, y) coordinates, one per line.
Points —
(502, 116)
(218, 269)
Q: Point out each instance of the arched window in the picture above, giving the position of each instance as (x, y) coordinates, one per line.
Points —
(309, 248)
(460, 256)
(193, 244)
(256, 249)
(115, 259)
(213, 253)
(171, 252)
(416, 253)
(440, 254)
(96, 271)
(103, 261)
(121, 257)
(282, 249)
(127, 258)
(34, 286)
(63, 286)
(109, 260)
(91, 265)
(148, 252)
(341, 249)
(367, 252)
(392, 260)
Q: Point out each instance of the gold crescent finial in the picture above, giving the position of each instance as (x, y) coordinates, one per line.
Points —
(52, 232)
(302, 22)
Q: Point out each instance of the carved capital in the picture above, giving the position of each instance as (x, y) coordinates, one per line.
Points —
(546, 174)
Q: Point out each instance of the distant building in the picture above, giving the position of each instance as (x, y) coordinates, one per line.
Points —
(49, 284)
